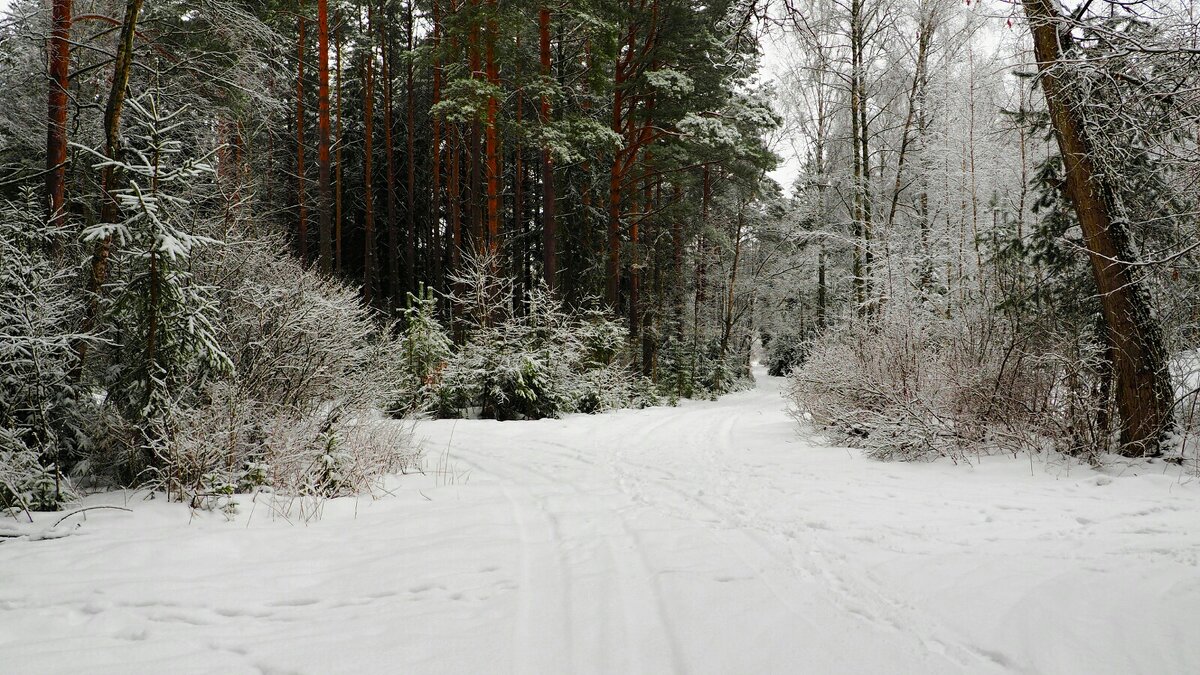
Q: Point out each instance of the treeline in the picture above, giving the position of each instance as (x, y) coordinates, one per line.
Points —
(228, 219)
(994, 228)
(582, 143)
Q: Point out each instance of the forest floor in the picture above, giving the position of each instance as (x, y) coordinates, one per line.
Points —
(707, 538)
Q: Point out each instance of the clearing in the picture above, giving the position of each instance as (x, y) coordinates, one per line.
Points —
(707, 538)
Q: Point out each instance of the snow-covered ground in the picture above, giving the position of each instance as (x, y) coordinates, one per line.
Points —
(708, 538)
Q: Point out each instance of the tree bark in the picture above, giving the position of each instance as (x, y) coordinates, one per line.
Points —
(475, 168)
(338, 157)
(518, 225)
(727, 330)
(109, 209)
(1144, 396)
(56, 129)
(549, 205)
(410, 201)
(368, 143)
(435, 203)
(326, 190)
(492, 142)
(393, 233)
(302, 224)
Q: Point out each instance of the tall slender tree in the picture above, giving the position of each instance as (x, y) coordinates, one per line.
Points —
(301, 207)
(410, 201)
(549, 198)
(323, 158)
(369, 243)
(59, 48)
(109, 176)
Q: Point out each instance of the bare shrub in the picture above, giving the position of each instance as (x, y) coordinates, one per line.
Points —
(917, 387)
(298, 415)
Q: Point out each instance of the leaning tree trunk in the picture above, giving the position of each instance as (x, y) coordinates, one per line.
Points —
(1144, 398)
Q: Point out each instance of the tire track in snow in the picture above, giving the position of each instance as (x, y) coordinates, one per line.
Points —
(677, 464)
(862, 598)
(645, 626)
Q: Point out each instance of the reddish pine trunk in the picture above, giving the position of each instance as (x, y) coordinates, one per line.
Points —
(56, 129)
(326, 251)
(549, 207)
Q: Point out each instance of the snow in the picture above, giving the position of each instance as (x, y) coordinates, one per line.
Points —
(710, 538)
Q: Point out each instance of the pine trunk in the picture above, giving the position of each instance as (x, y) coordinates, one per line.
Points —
(368, 143)
(337, 236)
(302, 223)
(56, 128)
(1144, 396)
(493, 147)
(549, 206)
(323, 143)
(410, 201)
(109, 210)
(395, 293)
(435, 202)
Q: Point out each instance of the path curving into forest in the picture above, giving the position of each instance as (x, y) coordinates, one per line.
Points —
(708, 538)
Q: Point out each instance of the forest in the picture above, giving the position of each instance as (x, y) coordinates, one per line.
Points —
(241, 238)
(599, 336)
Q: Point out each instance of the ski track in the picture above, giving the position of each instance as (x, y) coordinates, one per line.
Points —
(707, 538)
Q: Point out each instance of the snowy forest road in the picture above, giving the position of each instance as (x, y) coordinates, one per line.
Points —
(706, 538)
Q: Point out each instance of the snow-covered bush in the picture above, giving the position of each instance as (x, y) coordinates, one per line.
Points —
(915, 386)
(158, 318)
(297, 340)
(1185, 372)
(541, 362)
(228, 365)
(784, 352)
(688, 370)
(43, 424)
(232, 445)
(425, 349)
(298, 414)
